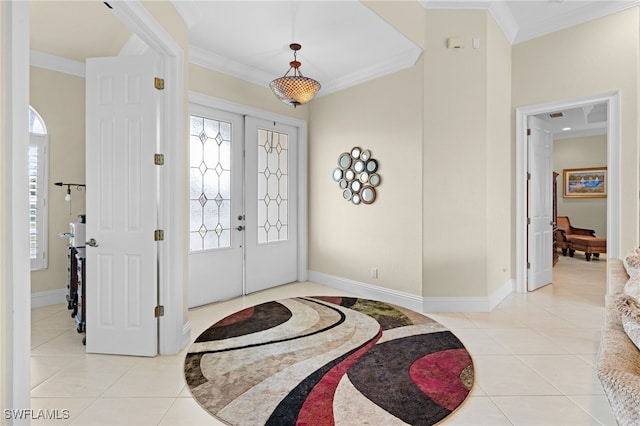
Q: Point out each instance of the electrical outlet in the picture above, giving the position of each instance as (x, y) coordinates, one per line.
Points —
(374, 272)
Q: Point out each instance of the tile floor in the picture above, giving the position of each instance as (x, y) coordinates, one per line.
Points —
(534, 357)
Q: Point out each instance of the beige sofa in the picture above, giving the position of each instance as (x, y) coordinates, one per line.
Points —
(619, 359)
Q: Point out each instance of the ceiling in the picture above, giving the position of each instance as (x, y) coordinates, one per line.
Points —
(587, 120)
(344, 42)
(522, 20)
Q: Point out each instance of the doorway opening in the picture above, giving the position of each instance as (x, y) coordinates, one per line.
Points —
(612, 102)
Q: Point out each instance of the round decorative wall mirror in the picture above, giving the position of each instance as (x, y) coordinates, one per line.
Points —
(357, 175)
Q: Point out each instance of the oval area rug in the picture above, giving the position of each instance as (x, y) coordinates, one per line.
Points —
(328, 361)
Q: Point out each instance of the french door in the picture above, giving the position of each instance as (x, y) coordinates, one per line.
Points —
(243, 205)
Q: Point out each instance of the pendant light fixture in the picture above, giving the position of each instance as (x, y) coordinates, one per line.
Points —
(294, 89)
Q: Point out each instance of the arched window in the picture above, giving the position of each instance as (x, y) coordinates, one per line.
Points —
(38, 190)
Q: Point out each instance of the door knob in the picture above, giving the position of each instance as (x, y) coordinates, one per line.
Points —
(240, 228)
(92, 243)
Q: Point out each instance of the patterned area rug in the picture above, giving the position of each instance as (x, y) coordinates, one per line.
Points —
(328, 361)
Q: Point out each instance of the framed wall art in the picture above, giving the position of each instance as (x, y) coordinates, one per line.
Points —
(588, 182)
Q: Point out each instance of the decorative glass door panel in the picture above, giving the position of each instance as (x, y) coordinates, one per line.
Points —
(273, 186)
(216, 206)
(271, 204)
(210, 182)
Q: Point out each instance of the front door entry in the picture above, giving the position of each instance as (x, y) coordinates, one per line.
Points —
(243, 205)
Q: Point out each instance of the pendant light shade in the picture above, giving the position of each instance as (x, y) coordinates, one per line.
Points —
(294, 89)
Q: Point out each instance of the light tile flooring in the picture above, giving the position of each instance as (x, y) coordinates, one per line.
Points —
(534, 357)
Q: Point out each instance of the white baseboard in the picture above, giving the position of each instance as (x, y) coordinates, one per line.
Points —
(186, 334)
(468, 304)
(51, 297)
(413, 302)
(370, 291)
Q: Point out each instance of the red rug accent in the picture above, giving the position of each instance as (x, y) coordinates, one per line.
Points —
(237, 317)
(317, 409)
(438, 375)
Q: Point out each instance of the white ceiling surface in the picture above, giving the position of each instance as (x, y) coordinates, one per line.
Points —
(343, 42)
(589, 120)
(522, 20)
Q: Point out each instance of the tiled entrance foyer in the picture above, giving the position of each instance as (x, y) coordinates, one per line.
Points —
(534, 357)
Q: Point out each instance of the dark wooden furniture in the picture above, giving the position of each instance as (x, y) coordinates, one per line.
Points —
(72, 281)
(82, 307)
(571, 239)
(589, 245)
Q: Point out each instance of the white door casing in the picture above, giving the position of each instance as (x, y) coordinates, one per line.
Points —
(612, 100)
(122, 204)
(271, 222)
(217, 273)
(540, 233)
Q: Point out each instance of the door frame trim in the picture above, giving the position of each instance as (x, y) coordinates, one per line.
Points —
(301, 125)
(16, 278)
(612, 99)
(173, 335)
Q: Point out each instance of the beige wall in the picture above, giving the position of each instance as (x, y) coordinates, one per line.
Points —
(575, 153)
(346, 240)
(441, 131)
(385, 116)
(466, 157)
(592, 58)
(60, 100)
(500, 206)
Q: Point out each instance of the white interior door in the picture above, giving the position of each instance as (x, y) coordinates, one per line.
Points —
(216, 205)
(121, 290)
(540, 232)
(271, 204)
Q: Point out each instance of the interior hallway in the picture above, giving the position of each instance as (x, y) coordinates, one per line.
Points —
(534, 357)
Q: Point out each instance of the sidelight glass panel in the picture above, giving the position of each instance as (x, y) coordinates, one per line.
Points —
(210, 184)
(273, 188)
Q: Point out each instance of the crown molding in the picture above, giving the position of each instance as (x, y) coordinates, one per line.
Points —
(407, 59)
(204, 58)
(134, 46)
(575, 17)
(499, 10)
(515, 33)
(56, 63)
(403, 60)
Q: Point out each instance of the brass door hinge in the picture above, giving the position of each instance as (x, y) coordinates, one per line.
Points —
(528, 265)
(158, 235)
(528, 130)
(158, 159)
(158, 311)
(158, 83)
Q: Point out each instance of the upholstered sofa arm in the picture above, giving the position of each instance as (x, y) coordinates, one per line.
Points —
(619, 372)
